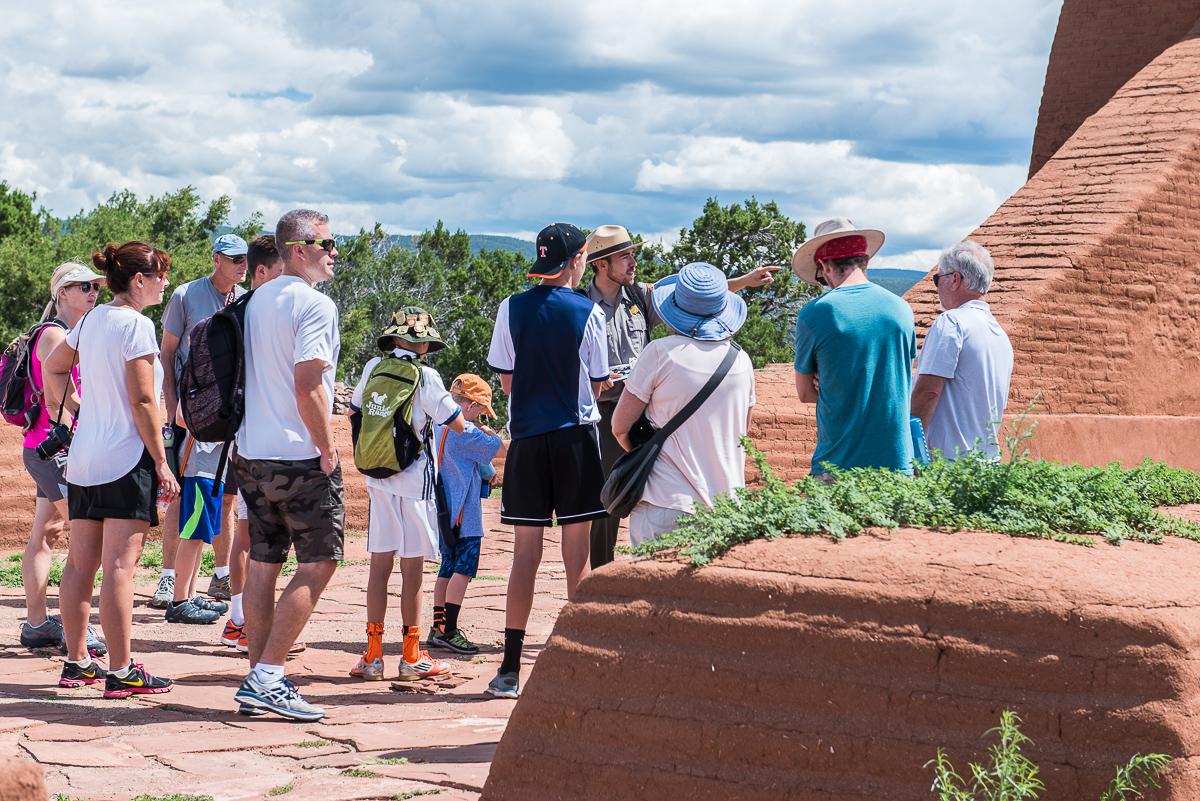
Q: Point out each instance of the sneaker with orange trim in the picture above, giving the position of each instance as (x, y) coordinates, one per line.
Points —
(232, 634)
(424, 668)
(371, 671)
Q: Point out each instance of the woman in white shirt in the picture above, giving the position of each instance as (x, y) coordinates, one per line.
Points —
(117, 464)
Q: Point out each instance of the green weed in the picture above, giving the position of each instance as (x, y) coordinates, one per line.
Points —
(284, 788)
(415, 793)
(152, 556)
(1021, 497)
(388, 761)
(313, 744)
(1010, 776)
(10, 572)
(361, 773)
(174, 797)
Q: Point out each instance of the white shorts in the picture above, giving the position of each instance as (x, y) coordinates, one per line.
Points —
(647, 521)
(243, 512)
(406, 527)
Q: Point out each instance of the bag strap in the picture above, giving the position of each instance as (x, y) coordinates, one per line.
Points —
(441, 448)
(239, 387)
(701, 396)
(74, 359)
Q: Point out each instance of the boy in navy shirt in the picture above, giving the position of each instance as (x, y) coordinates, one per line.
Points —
(551, 351)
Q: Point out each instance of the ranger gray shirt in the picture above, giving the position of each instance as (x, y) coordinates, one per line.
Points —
(628, 322)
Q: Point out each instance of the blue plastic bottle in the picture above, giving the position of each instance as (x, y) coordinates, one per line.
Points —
(920, 451)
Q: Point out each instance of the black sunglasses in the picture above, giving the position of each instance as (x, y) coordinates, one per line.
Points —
(88, 287)
(937, 276)
(326, 244)
(236, 259)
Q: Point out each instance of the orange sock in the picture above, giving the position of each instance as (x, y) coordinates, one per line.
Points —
(374, 642)
(412, 644)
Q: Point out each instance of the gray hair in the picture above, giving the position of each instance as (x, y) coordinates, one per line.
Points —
(970, 260)
(297, 224)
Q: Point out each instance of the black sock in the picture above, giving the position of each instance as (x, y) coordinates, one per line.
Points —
(514, 640)
(439, 617)
(451, 624)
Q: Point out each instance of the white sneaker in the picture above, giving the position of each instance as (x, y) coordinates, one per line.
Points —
(425, 667)
(165, 592)
(371, 671)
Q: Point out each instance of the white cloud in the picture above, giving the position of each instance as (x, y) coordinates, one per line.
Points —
(627, 110)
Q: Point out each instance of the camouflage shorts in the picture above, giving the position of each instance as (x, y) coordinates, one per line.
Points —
(292, 504)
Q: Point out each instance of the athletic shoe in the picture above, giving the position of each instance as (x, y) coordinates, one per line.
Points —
(281, 698)
(164, 594)
(219, 588)
(371, 671)
(505, 685)
(188, 612)
(456, 642)
(299, 646)
(75, 676)
(232, 634)
(424, 668)
(95, 645)
(136, 681)
(212, 606)
(50, 633)
(250, 711)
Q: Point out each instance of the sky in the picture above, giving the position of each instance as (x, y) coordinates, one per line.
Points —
(501, 117)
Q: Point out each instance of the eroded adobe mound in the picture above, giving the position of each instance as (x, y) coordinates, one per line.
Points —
(806, 669)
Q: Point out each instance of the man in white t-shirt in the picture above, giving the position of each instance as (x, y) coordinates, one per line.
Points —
(704, 458)
(966, 362)
(286, 465)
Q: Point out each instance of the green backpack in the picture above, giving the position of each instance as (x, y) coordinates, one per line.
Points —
(384, 440)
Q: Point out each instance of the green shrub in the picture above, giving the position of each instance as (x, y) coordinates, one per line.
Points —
(1021, 497)
(1010, 776)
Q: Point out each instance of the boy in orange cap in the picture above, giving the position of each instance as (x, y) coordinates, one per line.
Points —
(465, 469)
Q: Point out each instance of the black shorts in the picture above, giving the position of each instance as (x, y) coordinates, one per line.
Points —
(133, 496)
(557, 474)
(292, 503)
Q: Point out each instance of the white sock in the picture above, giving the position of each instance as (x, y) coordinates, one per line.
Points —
(221, 572)
(83, 663)
(169, 572)
(268, 674)
(236, 617)
(123, 672)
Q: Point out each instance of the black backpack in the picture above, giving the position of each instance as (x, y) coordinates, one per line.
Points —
(212, 388)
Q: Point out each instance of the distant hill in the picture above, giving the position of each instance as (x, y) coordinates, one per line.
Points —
(478, 241)
(897, 281)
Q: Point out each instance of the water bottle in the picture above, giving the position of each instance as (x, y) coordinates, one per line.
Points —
(486, 471)
(168, 438)
(920, 452)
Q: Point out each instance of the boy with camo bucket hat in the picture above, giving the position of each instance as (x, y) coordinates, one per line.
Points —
(403, 516)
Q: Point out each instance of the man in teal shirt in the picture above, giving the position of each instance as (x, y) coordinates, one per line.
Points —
(854, 350)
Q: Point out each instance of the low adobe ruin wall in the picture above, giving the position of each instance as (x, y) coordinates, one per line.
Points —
(806, 669)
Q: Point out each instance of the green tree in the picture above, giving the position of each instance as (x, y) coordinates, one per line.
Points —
(736, 239)
(17, 217)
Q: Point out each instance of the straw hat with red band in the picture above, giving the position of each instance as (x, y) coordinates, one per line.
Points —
(609, 240)
(834, 239)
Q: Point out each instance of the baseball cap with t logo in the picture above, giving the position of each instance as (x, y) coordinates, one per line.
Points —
(557, 244)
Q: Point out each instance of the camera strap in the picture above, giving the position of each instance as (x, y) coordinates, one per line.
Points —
(74, 360)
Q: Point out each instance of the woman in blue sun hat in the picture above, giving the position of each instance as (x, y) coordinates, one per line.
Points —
(704, 457)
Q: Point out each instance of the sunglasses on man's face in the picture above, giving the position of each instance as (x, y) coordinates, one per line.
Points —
(237, 259)
(326, 244)
(938, 276)
(88, 287)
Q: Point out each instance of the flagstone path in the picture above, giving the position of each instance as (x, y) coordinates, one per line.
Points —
(375, 742)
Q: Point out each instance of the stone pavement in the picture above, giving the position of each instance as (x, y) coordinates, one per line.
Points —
(375, 742)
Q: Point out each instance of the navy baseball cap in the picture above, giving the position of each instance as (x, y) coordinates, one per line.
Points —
(231, 245)
(557, 244)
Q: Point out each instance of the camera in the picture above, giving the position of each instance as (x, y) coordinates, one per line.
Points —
(59, 438)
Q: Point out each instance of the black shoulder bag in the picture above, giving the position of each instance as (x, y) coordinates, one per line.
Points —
(627, 479)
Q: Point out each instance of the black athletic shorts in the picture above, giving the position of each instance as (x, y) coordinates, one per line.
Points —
(553, 475)
(133, 496)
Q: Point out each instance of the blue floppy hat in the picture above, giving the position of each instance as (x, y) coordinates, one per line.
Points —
(698, 304)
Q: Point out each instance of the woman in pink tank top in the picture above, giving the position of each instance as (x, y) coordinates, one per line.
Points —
(74, 289)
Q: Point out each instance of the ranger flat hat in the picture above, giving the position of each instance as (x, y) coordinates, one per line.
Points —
(804, 263)
(609, 240)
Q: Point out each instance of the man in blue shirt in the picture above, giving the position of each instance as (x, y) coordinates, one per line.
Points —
(854, 350)
(551, 351)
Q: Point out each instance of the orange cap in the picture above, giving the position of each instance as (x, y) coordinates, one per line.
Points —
(474, 388)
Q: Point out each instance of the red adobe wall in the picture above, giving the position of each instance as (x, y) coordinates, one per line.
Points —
(1101, 44)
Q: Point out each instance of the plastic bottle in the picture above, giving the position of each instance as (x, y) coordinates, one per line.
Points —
(920, 451)
(486, 471)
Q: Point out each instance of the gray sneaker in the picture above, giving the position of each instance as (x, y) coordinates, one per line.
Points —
(505, 685)
(188, 612)
(49, 634)
(282, 698)
(95, 645)
(165, 592)
(219, 588)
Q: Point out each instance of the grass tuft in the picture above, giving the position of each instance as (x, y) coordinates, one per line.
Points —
(281, 789)
(361, 773)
